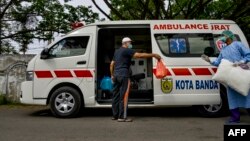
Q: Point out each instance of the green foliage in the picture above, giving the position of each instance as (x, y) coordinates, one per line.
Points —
(3, 100)
(236, 10)
(136, 9)
(7, 48)
(26, 20)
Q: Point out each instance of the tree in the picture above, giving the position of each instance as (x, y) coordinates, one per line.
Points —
(236, 10)
(23, 21)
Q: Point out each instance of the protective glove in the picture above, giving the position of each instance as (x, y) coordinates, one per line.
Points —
(245, 66)
(235, 64)
(206, 58)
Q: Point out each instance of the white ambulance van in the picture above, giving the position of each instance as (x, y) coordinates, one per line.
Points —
(67, 74)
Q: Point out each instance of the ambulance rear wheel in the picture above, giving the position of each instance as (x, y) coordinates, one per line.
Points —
(65, 102)
(215, 110)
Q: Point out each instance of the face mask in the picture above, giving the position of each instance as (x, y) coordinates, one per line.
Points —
(223, 39)
(130, 46)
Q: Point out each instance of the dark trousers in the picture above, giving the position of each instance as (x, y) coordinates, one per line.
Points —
(120, 97)
(248, 111)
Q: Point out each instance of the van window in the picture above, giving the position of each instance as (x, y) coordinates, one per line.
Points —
(71, 46)
(181, 45)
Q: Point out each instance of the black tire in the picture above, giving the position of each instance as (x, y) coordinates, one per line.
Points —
(215, 110)
(65, 102)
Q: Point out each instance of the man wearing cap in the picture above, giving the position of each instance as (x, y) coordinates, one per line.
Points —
(235, 52)
(119, 69)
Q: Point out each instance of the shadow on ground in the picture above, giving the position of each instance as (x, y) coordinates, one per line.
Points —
(134, 112)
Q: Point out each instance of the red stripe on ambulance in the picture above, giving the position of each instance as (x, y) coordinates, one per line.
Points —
(201, 71)
(181, 71)
(187, 72)
(214, 69)
(83, 73)
(63, 73)
(43, 74)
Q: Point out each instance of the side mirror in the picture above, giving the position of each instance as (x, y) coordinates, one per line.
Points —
(209, 51)
(45, 54)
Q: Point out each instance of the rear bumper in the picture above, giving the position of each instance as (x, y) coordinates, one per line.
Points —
(26, 95)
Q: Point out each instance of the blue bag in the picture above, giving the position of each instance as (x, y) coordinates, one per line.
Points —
(106, 83)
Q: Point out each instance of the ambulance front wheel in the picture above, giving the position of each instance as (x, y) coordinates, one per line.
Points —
(65, 102)
(216, 110)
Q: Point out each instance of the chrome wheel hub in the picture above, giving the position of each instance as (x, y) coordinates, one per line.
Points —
(213, 108)
(64, 102)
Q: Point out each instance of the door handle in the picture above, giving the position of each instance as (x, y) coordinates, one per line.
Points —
(81, 62)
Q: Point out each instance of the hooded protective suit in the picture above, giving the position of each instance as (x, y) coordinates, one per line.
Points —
(235, 52)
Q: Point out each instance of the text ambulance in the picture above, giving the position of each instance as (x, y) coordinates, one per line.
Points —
(67, 74)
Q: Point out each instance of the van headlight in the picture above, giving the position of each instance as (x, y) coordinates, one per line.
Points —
(29, 75)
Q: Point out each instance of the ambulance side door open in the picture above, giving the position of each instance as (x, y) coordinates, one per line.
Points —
(189, 80)
(67, 62)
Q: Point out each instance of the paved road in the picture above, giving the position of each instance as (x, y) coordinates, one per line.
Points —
(35, 123)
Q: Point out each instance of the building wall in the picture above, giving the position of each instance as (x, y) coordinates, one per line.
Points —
(12, 74)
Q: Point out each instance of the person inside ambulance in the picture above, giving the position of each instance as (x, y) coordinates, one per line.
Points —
(235, 52)
(120, 74)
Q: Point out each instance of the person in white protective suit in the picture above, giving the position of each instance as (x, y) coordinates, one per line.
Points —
(237, 53)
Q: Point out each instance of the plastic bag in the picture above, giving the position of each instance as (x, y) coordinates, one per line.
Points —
(106, 83)
(235, 77)
(161, 70)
